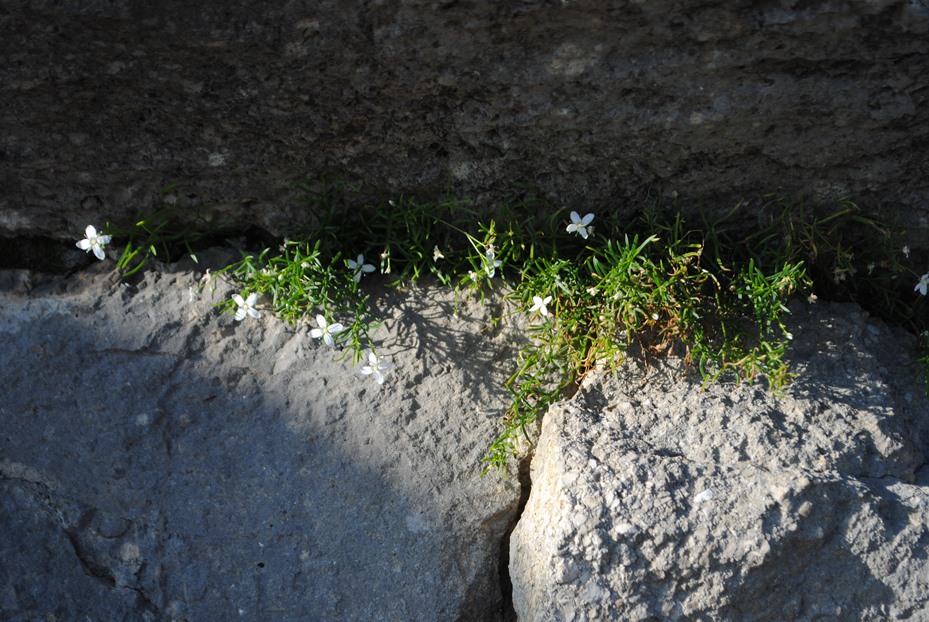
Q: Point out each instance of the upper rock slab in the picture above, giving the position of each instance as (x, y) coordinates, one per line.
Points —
(104, 104)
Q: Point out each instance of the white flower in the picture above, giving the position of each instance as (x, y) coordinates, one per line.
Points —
(375, 368)
(538, 304)
(437, 254)
(706, 495)
(906, 251)
(94, 242)
(326, 330)
(359, 267)
(923, 286)
(580, 225)
(246, 307)
(491, 263)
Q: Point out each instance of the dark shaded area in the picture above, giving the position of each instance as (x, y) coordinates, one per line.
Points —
(596, 104)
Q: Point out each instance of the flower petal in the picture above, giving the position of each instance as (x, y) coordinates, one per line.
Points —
(90, 232)
(252, 298)
(255, 313)
(336, 328)
(99, 253)
(84, 245)
(587, 219)
(240, 314)
(321, 321)
(238, 300)
(316, 333)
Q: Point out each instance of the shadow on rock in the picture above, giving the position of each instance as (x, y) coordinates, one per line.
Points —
(159, 461)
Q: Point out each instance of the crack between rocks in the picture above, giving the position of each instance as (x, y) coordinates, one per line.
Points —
(524, 474)
(508, 612)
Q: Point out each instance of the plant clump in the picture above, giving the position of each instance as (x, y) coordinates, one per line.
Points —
(593, 287)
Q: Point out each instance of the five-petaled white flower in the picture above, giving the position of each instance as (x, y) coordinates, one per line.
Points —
(326, 330)
(246, 307)
(375, 368)
(579, 225)
(491, 263)
(359, 266)
(923, 286)
(94, 242)
(538, 304)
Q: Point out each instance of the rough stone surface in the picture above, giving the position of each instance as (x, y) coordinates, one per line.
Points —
(654, 500)
(106, 102)
(159, 461)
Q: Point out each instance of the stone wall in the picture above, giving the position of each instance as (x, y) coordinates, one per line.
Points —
(105, 103)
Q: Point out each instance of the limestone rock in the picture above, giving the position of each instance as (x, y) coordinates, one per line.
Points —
(160, 461)
(106, 103)
(654, 500)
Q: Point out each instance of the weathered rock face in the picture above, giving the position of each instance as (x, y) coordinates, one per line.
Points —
(106, 103)
(161, 462)
(656, 501)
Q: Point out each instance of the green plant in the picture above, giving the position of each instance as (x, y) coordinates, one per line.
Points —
(169, 229)
(650, 290)
(593, 286)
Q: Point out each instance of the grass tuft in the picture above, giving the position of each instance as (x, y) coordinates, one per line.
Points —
(715, 293)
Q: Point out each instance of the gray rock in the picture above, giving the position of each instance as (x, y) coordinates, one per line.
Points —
(105, 103)
(159, 461)
(654, 500)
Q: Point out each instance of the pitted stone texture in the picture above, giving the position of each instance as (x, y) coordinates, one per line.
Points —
(106, 103)
(659, 501)
(161, 461)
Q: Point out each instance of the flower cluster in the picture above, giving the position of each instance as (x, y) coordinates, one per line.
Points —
(246, 307)
(326, 331)
(923, 286)
(539, 305)
(359, 266)
(581, 226)
(375, 367)
(489, 265)
(94, 242)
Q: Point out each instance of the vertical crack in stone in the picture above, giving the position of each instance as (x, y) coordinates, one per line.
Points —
(508, 612)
